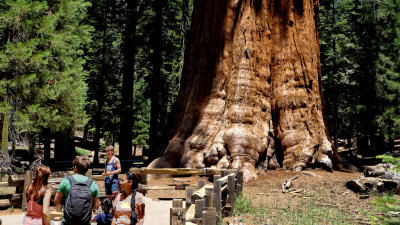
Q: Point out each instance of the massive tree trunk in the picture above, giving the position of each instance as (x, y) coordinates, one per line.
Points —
(251, 89)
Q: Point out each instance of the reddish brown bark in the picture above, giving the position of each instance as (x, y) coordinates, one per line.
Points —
(251, 89)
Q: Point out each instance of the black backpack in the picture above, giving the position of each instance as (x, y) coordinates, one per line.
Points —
(78, 206)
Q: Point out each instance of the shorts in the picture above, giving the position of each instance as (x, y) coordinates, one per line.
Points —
(111, 188)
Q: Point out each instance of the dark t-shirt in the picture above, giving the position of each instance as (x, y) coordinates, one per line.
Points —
(103, 219)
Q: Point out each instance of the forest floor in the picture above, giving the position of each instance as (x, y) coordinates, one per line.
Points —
(317, 197)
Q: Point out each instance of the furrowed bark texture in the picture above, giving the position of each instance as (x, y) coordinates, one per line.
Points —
(251, 89)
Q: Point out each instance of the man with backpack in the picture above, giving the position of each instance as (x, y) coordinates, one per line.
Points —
(79, 193)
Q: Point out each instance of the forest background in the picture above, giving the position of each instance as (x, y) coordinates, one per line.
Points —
(112, 69)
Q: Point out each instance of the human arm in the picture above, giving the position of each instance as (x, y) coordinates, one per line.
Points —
(117, 165)
(141, 211)
(58, 198)
(141, 205)
(105, 169)
(61, 191)
(95, 194)
(96, 203)
(114, 218)
(46, 206)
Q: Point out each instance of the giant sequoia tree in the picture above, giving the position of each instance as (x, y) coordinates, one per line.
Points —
(251, 89)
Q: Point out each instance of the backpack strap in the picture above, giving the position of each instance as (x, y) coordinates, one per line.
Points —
(72, 180)
(89, 182)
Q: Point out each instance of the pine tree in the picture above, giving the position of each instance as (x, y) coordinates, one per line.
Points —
(338, 66)
(42, 64)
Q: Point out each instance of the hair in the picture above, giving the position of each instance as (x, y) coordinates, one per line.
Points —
(37, 189)
(106, 202)
(110, 147)
(132, 177)
(82, 164)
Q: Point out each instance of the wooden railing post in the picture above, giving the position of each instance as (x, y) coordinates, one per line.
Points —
(217, 203)
(202, 183)
(27, 182)
(225, 172)
(239, 182)
(199, 208)
(177, 216)
(143, 179)
(177, 203)
(208, 197)
(189, 193)
(209, 217)
(231, 193)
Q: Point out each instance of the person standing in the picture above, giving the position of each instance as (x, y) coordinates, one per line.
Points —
(38, 196)
(112, 169)
(79, 193)
(129, 206)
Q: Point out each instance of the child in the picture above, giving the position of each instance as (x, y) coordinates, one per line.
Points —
(106, 217)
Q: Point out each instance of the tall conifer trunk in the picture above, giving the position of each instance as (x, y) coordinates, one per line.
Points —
(156, 82)
(251, 89)
(4, 138)
(126, 125)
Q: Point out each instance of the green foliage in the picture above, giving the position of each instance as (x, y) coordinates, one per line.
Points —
(80, 151)
(392, 160)
(360, 69)
(389, 205)
(41, 59)
(104, 66)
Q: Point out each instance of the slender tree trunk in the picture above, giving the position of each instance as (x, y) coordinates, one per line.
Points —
(64, 146)
(4, 131)
(335, 100)
(156, 82)
(4, 137)
(251, 88)
(85, 134)
(46, 143)
(126, 126)
(100, 88)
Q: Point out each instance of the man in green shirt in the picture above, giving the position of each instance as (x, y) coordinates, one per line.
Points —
(81, 165)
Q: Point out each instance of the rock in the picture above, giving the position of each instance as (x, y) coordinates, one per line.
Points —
(377, 170)
(366, 185)
(351, 167)
(391, 175)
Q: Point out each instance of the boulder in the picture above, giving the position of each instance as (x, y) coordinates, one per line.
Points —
(367, 185)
